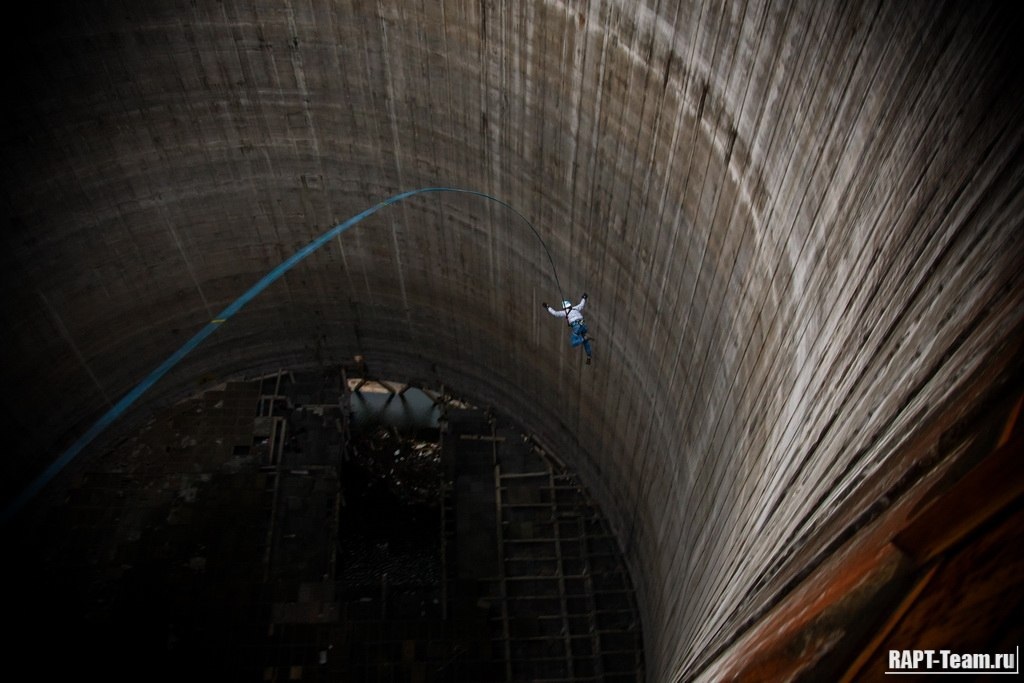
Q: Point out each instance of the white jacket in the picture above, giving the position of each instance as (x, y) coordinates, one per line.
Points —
(573, 314)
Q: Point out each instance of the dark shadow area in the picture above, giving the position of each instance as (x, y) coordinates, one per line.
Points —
(249, 534)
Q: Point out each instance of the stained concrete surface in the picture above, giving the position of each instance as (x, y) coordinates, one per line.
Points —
(799, 224)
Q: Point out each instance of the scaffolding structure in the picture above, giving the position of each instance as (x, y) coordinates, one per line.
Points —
(231, 523)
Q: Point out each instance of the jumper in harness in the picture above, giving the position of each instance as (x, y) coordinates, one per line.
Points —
(577, 328)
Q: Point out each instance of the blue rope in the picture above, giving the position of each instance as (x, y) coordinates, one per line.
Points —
(121, 406)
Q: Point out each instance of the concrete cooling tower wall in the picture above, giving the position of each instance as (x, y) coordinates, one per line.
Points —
(798, 223)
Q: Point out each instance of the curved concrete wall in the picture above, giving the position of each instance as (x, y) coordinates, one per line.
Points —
(799, 224)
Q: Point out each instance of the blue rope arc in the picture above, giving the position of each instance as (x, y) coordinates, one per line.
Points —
(142, 387)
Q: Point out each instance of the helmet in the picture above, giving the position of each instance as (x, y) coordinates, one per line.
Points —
(566, 304)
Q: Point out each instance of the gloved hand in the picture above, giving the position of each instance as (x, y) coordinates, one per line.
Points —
(585, 295)
(545, 304)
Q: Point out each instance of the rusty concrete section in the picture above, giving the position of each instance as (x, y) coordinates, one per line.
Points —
(798, 224)
(932, 570)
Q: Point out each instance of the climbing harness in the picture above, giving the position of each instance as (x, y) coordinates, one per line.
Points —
(121, 406)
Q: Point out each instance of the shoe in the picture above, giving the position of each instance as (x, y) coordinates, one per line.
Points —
(588, 360)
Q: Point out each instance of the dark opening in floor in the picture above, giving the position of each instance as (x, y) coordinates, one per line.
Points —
(261, 532)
